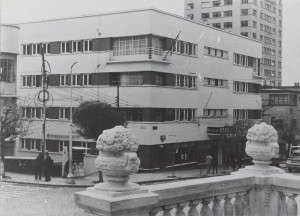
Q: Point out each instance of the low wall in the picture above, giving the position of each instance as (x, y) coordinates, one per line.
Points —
(27, 165)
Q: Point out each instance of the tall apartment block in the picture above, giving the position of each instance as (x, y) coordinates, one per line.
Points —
(176, 95)
(256, 19)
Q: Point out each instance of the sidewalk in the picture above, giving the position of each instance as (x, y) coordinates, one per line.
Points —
(140, 178)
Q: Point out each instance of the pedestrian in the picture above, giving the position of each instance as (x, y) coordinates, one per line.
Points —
(239, 162)
(47, 167)
(214, 165)
(66, 169)
(208, 160)
(39, 162)
(233, 161)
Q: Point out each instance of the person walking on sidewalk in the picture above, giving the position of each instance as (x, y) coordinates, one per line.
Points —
(208, 160)
(48, 167)
(39, 162)
(214, 165)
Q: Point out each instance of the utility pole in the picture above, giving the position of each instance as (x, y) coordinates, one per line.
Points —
(44, 85)
(70, 177)
(118, 93)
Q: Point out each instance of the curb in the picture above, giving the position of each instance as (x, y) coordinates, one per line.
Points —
(91, 185)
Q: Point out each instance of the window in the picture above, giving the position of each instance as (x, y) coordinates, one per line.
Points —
(215, 82)
(8, 73)
(131, 79)
(216, 3)
(36, 112)
(76, 46)
(254, 36)
(193, 82)
(185, 114)
(31, 144)
(205, 15)
(254, 12)
(227, 2)
(228, 13)
(244, 11)
(178, 80)
(65, 47)
(158, 79)
(76, 79)
(240, 114)
(216, 14)
(87, 45)
(244, 23)
(216, 113)
(216, 25)
(215, 52)
(205, 4)
(64, 113)
(228, 25)
(245, 34)
(185, 81)
(283, 99)
(135, 45)
(31, 80)
(245, 1)
(185, 48)
(190, 16)
(190, 6)
(27, 49)
(240, 87)
(64, 80)
(87, 79)
(243, 60)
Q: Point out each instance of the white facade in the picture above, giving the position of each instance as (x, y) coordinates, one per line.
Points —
(167, 98)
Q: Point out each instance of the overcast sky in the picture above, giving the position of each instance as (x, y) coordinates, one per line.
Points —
(14, 11)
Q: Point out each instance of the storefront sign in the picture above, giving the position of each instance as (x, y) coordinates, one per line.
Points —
(227, 130)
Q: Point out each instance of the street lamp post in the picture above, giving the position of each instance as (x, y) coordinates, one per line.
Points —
(70, 177)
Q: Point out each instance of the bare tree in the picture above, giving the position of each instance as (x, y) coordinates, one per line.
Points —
(11, 124)
(287, 129)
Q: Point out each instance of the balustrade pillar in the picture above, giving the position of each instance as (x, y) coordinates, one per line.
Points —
(217, 209)
(228, 207)
(291, 207)
(238, 206)
(167, 210)
(205, 210)
(193, 208)
(179, 209)
(282, 204)
(154, 211)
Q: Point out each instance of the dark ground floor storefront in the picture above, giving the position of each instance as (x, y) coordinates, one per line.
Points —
(156, 157)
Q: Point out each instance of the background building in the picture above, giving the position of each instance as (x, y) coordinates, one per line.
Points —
(281, 109)
(177, 96)
(9, 47)
(259, 20)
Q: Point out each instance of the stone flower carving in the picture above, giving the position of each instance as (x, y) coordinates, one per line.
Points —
(117, 140)
(262, 133)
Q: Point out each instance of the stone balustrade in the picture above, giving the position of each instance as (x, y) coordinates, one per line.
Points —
(258, 190)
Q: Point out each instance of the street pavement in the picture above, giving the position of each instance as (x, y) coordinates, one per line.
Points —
(29, 200)
(140, 178)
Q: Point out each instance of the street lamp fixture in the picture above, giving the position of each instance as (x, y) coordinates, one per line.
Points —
(70, 177)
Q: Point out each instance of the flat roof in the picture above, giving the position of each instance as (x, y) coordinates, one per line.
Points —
(139, 10)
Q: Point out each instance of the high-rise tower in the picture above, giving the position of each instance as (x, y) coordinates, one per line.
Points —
(257, 19)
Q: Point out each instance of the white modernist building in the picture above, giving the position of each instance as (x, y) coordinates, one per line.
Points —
(176, 95)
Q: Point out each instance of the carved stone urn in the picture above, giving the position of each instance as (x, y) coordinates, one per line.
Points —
(117, 159)
(262, 146)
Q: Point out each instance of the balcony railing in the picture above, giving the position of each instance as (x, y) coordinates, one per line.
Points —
(147, 53)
